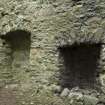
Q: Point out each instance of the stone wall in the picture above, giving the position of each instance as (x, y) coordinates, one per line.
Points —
(34, 73)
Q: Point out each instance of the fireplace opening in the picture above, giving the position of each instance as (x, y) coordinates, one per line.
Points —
(79, 64)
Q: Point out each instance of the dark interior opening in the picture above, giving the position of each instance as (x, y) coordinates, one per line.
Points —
(18, 42)
(18, 39)
(79, 65)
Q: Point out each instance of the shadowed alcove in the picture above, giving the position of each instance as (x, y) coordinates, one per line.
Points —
(79, 65)
(18, 39)
(19, 42)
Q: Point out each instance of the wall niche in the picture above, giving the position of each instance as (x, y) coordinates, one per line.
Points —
(19, 42)
(79, 64)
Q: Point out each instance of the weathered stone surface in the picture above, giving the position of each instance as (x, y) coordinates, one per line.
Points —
(56, 89)
(88, 100)
(102, 99)
(52, 23)
(75, 95)
(65, 92)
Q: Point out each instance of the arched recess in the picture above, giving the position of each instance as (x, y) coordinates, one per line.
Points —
(19, 42)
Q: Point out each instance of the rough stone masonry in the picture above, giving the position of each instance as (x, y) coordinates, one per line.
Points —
(52, 52)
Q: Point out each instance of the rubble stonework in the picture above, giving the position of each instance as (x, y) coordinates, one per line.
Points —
(33, 73)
